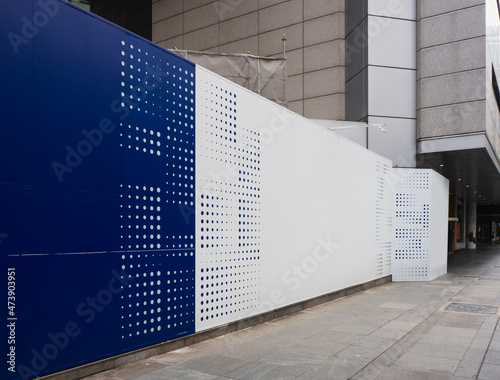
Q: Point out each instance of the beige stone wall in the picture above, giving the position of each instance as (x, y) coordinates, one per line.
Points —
(314, 30)
(451, 75)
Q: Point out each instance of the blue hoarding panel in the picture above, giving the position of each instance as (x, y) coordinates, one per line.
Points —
(97, 157)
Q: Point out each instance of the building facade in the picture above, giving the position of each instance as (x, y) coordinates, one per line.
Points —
(426, 69)
(146, 200)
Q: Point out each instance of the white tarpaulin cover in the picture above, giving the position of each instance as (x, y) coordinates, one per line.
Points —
(264, 76)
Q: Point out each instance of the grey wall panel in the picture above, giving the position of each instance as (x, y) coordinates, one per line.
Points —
(452, 119)
(453, 88)
(392, 42)
(429, 8)
(401, 9)
(322, 29)
(318, 8)
(357, 96)
(454, 57)
(356, 50)
(451, 27)
(323, 82)
(322, 56)
(397, 144)
(355, 12)
(331, 107)
(391, 92)
(280, 15)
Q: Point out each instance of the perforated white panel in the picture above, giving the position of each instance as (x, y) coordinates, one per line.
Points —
(286, 210)
(383, 225)
(413, 254)
(228, 217)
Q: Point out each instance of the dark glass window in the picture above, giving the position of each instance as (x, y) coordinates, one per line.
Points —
(133, 15)
(494, 83)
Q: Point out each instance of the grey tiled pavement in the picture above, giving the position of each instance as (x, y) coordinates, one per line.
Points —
(394, 331)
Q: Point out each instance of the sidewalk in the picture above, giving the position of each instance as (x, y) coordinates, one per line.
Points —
(394, 331)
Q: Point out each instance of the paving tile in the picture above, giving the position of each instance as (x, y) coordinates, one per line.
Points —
(360, 353)
(480, 343)
(376, 341)
(370, 371)
(178, 356)
(439, 351)
(396, 305)
(494, 345)
(133, 371)
(428, 363)
(484, 334)
(385, 314)
(297, 317)
(366, 321)
(274, 339)
(455, 331)
(395, 373)
(259, 370)
(246, 350)
(292, 357)
(488, 327)
(108, 375)
(216, 364)
(389, 333)
(492, 357)
(400, 325)
(491, 319)
(176, 373)
(352, 328)
(301, 330)
(332, 369)
(336, 337)
(322, 349)
(468, 369)
(489, 372)
(447, 340)
(462, 320)
(474, 355)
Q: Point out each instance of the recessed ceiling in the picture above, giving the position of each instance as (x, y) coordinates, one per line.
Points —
(471, 173)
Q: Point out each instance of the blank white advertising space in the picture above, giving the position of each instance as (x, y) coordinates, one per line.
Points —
(286, 210)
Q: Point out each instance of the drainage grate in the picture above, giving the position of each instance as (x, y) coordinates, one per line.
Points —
(471, 308)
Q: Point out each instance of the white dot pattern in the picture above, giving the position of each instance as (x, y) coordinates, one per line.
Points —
(158, 140)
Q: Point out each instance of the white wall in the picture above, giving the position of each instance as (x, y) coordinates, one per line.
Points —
(298, 211)
(419, 225)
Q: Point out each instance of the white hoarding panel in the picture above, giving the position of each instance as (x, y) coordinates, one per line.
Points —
(286, 210)
(419, 225)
